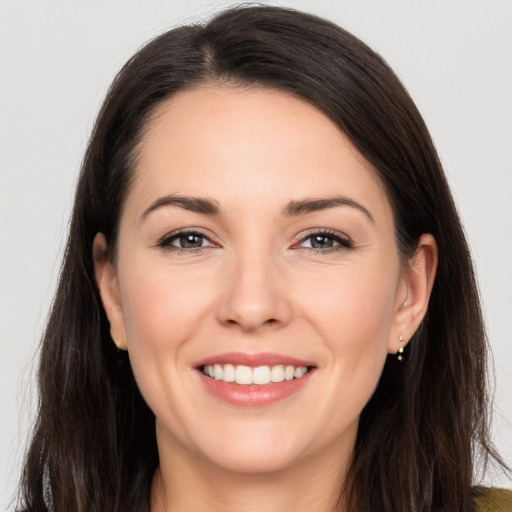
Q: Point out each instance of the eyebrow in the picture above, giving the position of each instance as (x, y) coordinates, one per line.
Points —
(193, 204)
(304, 206)
(293, 208)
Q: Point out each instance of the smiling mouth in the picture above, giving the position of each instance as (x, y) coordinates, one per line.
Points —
(260, 375)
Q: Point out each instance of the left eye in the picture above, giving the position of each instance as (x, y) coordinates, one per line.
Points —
(319, 241)
(190, 240)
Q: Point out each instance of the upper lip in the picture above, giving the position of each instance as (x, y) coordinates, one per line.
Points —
(253, 360)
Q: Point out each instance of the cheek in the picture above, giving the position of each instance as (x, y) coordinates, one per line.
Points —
(163, 310)
(162, 307)
(353, 313)
(353, 301)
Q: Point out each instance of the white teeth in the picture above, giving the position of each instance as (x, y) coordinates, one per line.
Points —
(243, 375)
(229, 373)
(277, 373)
(300, 372)
(261, 375)
(217, 371)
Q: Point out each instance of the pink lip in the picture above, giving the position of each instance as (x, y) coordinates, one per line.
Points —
(253, 360)
(253, 395)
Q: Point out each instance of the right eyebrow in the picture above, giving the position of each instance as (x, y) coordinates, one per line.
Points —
(193, 204)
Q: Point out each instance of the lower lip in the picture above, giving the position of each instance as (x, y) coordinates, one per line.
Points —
(254, 395)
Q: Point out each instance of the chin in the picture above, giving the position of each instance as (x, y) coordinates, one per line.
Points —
(263, 461)
(249, 447)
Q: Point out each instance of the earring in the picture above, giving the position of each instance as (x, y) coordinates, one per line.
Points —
(118, 348)
(400, 355)
(121, 355)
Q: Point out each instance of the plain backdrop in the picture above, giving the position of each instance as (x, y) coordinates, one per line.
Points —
(56, 62)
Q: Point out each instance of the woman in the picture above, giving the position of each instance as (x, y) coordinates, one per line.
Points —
(267, 301)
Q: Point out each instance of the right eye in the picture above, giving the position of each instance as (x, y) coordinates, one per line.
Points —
(185, 240)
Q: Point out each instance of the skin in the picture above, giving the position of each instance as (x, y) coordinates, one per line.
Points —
(256, 285)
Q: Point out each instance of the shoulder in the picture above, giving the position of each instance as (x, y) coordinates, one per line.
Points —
(491, 499)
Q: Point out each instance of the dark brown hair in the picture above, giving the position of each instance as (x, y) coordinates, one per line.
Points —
(94, 441)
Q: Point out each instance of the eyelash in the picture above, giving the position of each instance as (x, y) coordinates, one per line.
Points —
(167, 240)
(343, 242)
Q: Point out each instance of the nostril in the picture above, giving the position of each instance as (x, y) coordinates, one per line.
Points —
(269, 322)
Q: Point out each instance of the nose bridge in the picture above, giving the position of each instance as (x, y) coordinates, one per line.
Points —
(254, 294)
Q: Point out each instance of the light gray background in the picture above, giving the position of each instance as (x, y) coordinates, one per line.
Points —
(56, 61)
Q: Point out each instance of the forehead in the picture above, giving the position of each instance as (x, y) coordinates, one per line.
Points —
(246, 144)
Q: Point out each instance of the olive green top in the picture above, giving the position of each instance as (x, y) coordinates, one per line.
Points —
(487, 499)
(493, 500)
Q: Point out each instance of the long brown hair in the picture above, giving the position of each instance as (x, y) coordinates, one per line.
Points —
(94, 447)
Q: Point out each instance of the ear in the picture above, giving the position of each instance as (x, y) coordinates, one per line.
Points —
(414, 292)
(108, 286)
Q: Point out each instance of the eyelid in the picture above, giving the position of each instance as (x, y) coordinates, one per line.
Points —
(343, 240)
(164, 242)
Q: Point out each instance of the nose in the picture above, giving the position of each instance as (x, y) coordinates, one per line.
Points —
(254, 295)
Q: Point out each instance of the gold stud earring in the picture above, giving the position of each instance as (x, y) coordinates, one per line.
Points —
(118, 348)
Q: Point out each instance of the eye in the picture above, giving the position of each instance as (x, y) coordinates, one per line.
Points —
(185, 240)
(325, 241)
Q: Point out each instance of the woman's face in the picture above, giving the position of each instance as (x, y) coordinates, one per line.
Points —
(255, 243)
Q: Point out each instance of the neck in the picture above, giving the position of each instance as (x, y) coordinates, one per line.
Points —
(182, 484)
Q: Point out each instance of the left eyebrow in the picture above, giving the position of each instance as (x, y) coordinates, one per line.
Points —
(309, 205)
